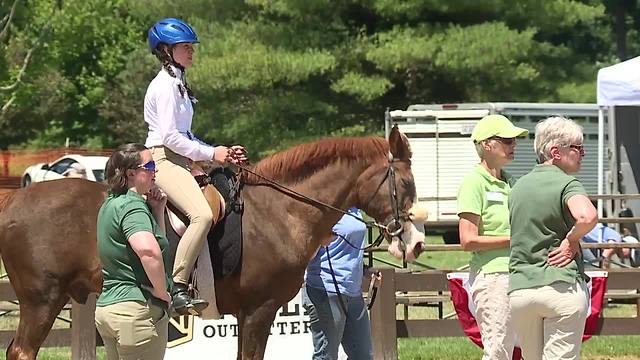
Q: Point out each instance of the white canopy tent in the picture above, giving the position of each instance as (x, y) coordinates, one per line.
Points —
(617, 85)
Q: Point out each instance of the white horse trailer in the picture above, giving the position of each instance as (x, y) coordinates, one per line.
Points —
(443, 152)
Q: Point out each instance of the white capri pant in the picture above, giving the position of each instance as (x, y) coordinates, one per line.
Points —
(549, 320)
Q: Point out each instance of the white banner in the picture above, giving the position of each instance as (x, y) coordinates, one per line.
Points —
(194, 338)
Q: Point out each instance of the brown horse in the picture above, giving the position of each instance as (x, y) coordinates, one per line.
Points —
(48, 246)
(47, 233)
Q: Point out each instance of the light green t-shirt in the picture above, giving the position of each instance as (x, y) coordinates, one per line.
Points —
(482, 194)
(120, 217)
(540, 220)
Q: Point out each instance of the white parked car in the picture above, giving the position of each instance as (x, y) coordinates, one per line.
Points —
(93, 165)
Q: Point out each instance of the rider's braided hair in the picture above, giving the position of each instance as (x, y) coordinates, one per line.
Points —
(125, 157)
(163, 53)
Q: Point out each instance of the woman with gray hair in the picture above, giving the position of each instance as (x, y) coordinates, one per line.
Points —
(549, 214)
(484, 230)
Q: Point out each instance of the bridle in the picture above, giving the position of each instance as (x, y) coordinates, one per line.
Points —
(391, 228)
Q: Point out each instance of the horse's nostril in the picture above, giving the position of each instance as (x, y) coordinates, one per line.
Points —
(418, 249)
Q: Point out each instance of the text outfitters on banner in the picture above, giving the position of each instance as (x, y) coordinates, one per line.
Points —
(193, 338)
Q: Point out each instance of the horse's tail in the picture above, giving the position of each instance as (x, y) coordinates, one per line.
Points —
(6, 199)
(9, 347)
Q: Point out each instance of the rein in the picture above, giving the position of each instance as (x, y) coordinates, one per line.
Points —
(393, 228)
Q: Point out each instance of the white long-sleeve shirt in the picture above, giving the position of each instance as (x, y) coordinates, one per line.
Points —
(169, 116)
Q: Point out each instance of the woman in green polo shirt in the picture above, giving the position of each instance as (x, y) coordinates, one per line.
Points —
(550, 213)
(131, 312)
(484, 230)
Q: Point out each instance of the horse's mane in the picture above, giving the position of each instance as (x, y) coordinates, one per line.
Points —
(303, 160)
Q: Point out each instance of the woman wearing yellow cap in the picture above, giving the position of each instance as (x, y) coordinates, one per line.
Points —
(484, 230)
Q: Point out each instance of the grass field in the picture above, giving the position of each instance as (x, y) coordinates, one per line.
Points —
(597, 348)
(447, 260)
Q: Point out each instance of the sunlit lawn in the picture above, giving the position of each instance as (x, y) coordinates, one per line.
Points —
(597, 348)
(448, 260)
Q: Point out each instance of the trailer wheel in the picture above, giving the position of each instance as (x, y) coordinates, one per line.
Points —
(451, 237)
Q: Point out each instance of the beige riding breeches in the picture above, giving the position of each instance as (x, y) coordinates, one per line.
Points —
(175, 179)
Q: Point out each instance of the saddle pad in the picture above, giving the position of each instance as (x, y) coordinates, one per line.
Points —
(225, 245)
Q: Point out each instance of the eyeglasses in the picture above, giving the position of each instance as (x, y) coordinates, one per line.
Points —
(149, 166)
(506, 141)
(579, 148)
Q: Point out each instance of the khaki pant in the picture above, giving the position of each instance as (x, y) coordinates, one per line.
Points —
(133, 330)
(549, 320)
(489, 295)
(175, 179)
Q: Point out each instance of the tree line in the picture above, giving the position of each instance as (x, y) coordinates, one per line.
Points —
(272, 73)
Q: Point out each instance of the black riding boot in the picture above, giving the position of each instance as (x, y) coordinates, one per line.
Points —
(182, 302)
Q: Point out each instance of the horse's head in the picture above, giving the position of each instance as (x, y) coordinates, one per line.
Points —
(375, 176)
(387, 192)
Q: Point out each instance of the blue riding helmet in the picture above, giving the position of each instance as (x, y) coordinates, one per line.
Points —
(171, 31)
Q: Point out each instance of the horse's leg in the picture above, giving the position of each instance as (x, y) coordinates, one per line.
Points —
(255, 331)
(36, 320)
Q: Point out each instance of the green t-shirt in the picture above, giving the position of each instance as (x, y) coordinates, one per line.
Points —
(120, 217)
(482, 194)
(540, 220)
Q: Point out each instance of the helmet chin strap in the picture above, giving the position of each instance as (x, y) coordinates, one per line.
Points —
(173, 61)
(165, 55)
(169, 52)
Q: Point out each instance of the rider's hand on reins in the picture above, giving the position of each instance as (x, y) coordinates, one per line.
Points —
(221, 154)
(237, 155)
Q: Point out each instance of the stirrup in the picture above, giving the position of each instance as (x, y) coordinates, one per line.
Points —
(197, 306)
(194, 309)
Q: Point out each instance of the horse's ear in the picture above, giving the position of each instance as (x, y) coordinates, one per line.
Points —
(399, 144)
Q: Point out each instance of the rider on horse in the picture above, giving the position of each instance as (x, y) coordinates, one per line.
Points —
(168, 112)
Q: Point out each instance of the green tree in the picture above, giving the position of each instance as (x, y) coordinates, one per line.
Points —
(59, 59)
(273, 72)
(270, 73)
